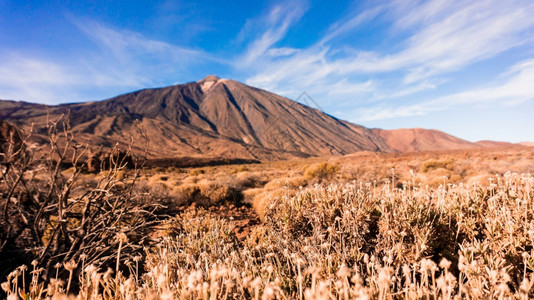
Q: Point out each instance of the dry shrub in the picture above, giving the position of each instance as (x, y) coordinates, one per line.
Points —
(282, 187)
(287, 182)
(480, 179)
(322, 171)
(185, 194)
(249, 194)
(51, 216)
(432, 164)
(436, 177)
(241, 169)
(159, 178)
(194, 179)
(374, 239)
(457, 165)
(262, 201)
(206, 194)
(121, 175)
(155, 192)
(245, 180)
(346, 241)
(196, 172)
(213, 194)
(87, 181)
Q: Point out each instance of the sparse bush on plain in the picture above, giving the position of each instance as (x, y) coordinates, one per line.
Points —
(319, 238)
(196, 172)
(321, 171)
(206, 194)
(432, 164)
(245, 180)
(52, 217)
(346, 241)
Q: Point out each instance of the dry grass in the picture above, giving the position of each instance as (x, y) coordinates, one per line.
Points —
(431, 226)
(432, 164)
(322, 171)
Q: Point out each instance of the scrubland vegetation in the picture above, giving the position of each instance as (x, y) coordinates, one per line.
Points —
(435, 225)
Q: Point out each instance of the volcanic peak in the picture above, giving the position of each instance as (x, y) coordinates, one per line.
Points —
(208, 82)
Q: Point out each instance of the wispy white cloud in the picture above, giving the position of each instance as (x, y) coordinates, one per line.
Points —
(273, 28)
(437, 37)
(353, 22)
(23, 78)
(123, 61)
(409, 13)
(140, 58)
(514, 87)
(126, 44)
(344, 87)
(467, 34)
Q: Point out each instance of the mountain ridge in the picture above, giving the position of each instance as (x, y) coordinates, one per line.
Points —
(222, 118)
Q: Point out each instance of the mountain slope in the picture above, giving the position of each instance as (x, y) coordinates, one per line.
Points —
(214, 117)
(494, 144)
(224, 118)
(418, 139)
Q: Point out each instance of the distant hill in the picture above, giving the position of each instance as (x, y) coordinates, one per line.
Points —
(494, 144)
(527, 144)
(222, 118)
(418, 139)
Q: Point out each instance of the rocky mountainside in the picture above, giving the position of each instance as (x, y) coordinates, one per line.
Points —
(223, 118)
(214, 117)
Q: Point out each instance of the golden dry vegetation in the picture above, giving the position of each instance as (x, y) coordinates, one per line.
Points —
(430, 225)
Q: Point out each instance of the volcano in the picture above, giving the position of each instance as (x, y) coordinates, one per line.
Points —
(221, 118)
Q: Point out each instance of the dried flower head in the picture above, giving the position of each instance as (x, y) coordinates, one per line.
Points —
(121, 237)
(70, 265)
(444, 264)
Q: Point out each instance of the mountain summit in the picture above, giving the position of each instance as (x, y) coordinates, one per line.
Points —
(220, 118)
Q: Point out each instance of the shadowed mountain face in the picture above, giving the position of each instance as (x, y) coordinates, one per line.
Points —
(222, 118)
(215, 117)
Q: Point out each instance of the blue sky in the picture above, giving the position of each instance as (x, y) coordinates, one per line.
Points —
(464, 67)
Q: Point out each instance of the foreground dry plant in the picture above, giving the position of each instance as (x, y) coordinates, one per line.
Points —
(334, 241)
(50, 215)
